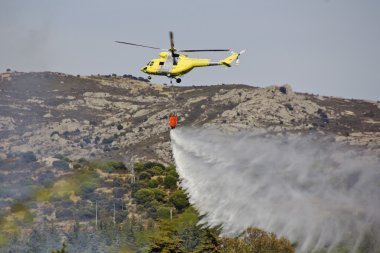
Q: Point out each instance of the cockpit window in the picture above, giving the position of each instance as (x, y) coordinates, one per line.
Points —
(151, 63)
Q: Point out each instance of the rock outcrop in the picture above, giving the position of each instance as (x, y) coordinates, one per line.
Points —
(114, 117)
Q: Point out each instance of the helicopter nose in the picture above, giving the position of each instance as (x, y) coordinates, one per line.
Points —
(143, 69)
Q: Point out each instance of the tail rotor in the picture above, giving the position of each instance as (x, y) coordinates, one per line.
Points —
(241, 52)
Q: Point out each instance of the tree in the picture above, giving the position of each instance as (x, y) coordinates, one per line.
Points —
(170, 182)
(163, 212)
(159, 195)
(254, 240)
(153, 183)
(144, 196)
(210, 241)
(144, 175)
(179, 200)
(166, 245)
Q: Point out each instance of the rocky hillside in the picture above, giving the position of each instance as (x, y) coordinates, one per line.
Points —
(126, 117)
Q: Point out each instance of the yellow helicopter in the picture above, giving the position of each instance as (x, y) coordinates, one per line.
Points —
(173, 64)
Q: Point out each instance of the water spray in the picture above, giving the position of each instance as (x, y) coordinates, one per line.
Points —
(312, 190)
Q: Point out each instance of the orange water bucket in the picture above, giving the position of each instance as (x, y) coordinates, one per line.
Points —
(173, 120)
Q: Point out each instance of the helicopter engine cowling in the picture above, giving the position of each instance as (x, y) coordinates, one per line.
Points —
(164, 55)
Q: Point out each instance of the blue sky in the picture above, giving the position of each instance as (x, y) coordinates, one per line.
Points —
(326, 47)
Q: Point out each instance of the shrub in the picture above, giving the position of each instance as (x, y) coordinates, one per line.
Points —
(46, 178)
(117, 182)
(118, 192)
(170, 182)
(117, 165)
(160, 180)
(138, 167)
(85, 214)
(159, 195)
(144, 196)
(28, 157)
(173, 173)
(82, 161)
(144, 175)
(88, 187)
(153, 183)
(256, 240)
(150, 165)
(163, 212)
(64, 214)
(156, 170)
(108, 140)
(62, 157)
(179, 200)
(61, 164)
(87, 139)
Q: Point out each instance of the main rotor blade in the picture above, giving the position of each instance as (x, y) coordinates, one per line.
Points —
(138, 45)
(205, 50)
(171, 41)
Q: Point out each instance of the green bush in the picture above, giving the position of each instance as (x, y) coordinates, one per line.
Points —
(160, 180)
(170, 182)
(150, 165)
(173, 173)
(156, 170)
(179, 200)
(153, 183)
(88, 187)
(138, 167)
(163, 212)
(117, 165)
(144, 175)
(159, 195)
(144, 196)
(254, 240)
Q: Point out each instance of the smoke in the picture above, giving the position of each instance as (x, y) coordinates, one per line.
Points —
(313, 191)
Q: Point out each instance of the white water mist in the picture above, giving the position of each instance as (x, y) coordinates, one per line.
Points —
(312, 191)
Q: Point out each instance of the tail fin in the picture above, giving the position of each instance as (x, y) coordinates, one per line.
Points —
(227, 61)
(234, 56)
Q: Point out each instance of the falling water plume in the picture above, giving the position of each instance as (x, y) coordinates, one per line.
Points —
(312, 190)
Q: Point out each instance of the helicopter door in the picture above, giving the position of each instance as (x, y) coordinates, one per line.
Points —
(166, 66)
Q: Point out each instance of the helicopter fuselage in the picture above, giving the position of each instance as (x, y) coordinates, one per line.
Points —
(165, 65)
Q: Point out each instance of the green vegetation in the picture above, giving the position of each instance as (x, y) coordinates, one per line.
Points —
(148, 214)
(170, 182)
(179, 200)
(254, 240)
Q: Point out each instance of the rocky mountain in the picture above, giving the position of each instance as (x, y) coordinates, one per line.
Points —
(123, 117)
(63, 137)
